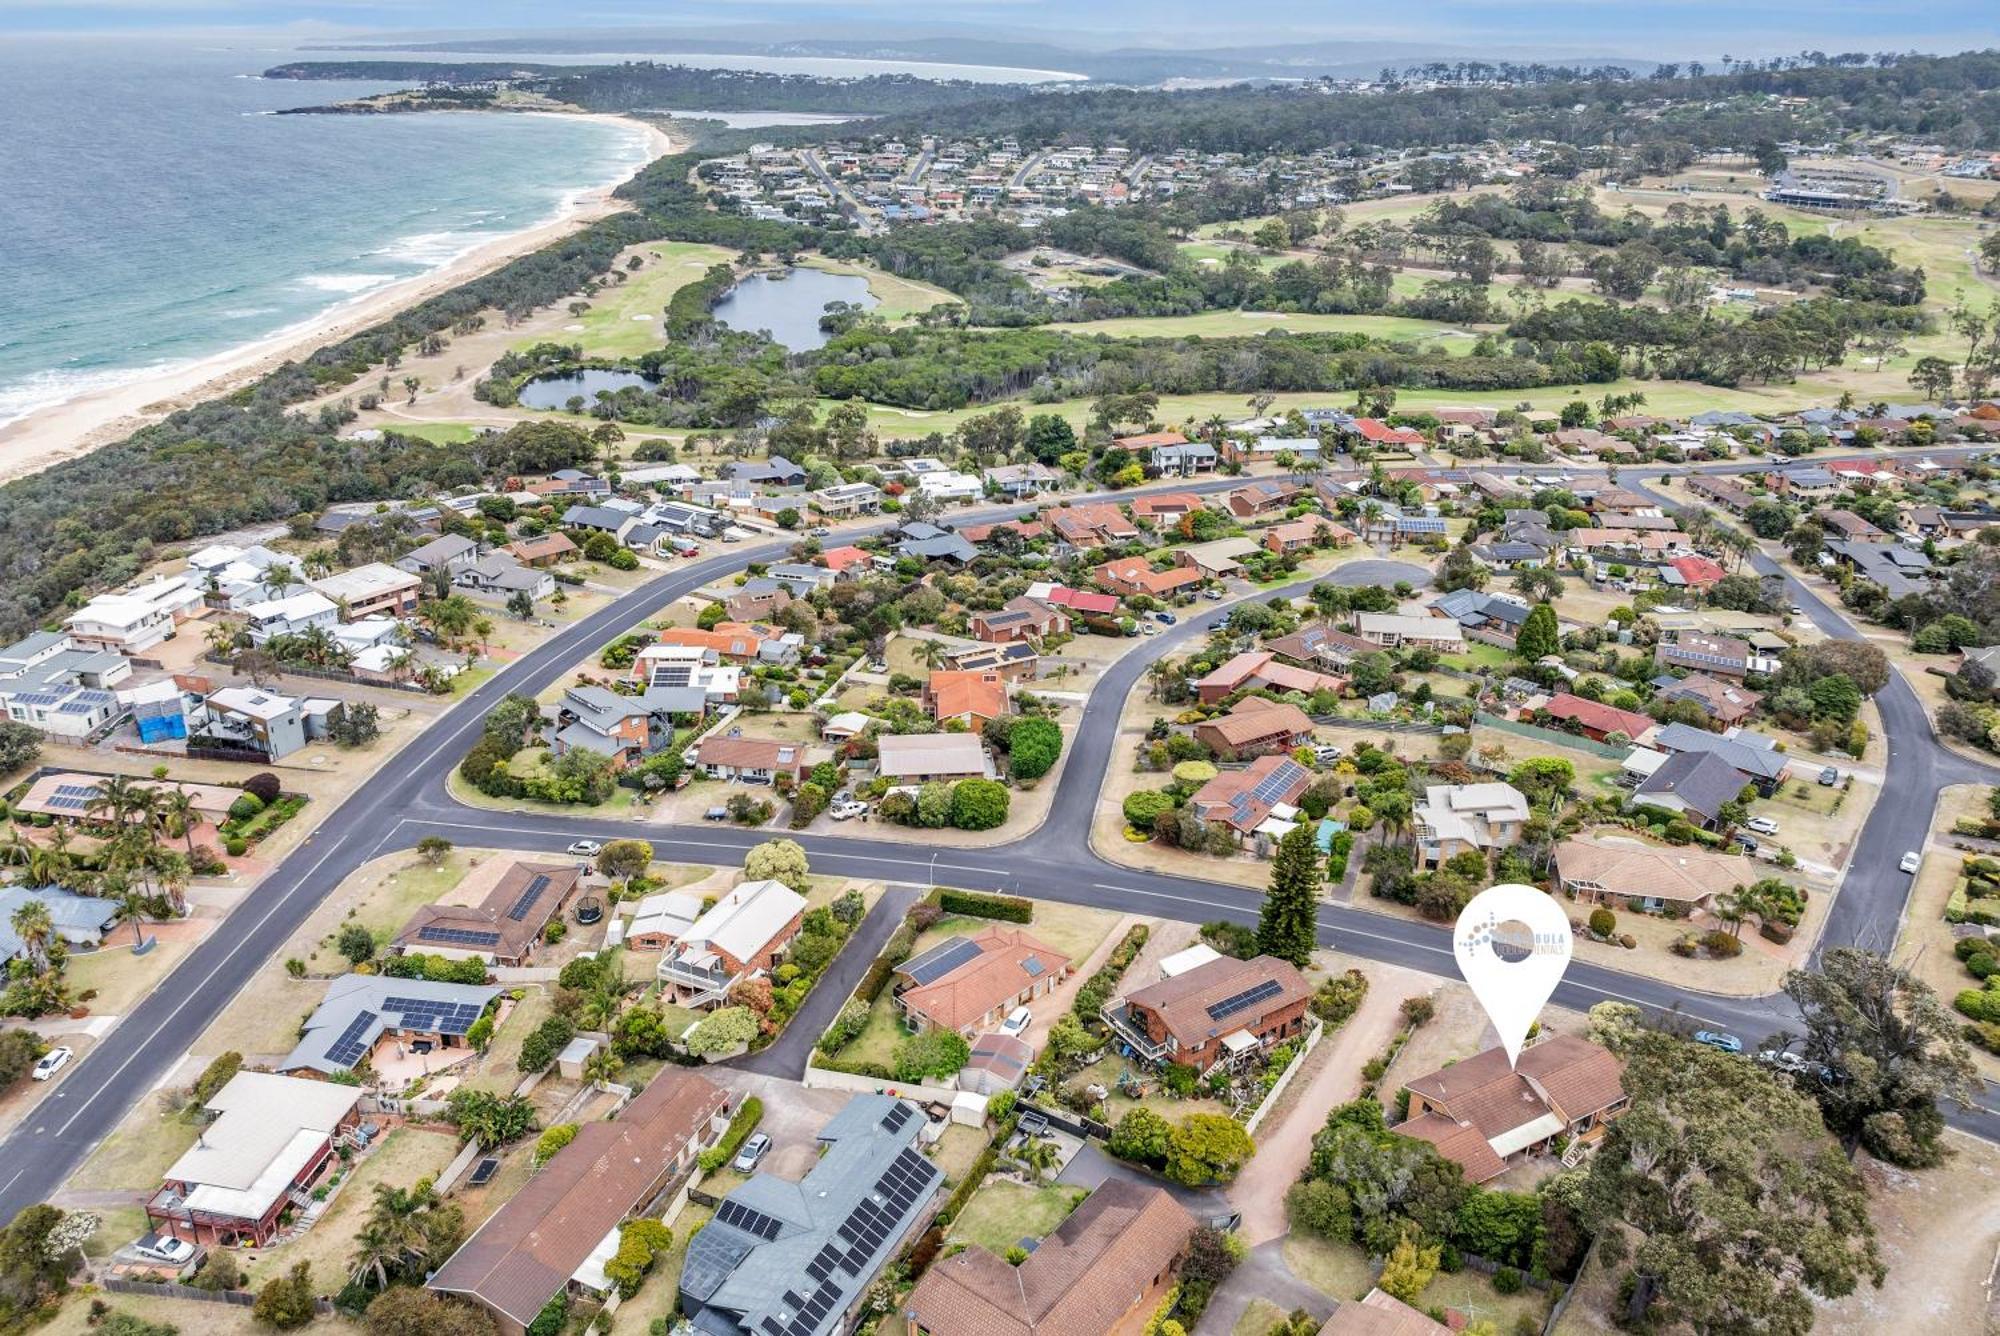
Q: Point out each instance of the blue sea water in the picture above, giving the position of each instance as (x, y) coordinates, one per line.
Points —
(152, 212)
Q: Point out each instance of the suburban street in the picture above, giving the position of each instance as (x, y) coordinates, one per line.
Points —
(409, 800)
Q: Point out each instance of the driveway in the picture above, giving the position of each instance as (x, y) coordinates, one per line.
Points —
(1091, 1166)
(787, 1057)
(1379, 571)
(1263, 1275)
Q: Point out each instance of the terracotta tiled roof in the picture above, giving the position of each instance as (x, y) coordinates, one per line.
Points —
(528, 1249)
(1379, 1314)
(1564, 1076)
(735, 640)
(749, 753)
(1081, 1279)
(1009, 961)
(840, 558)
(492, 914)
(1597, 715)
(980, 695)
(1682, 875)
(1461, 1143)
(1255, 718)
(1182, 1002)
(1166, 503)
(546, 545)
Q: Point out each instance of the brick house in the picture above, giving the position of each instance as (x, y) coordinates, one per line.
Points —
(1485, 1113)
(1256, 727)
(1219, 1012)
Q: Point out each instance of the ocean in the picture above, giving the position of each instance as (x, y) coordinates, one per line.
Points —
(154, 213)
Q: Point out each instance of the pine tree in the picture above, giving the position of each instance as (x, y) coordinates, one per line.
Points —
(1288, 925)
(1539, 635)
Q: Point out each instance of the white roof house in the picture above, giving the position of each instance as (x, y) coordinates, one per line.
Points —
(951, 485)
(1482, 816)
(290, 615)
(267, 1130)
(933, 755)
(671, 913)
(742, 922)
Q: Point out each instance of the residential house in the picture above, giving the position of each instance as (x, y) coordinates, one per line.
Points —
(1304, 534)
(48, 682)
(1697, 573)
(1485, 1113)
(553, 1236)
(1899, 569)
(1019, 480)
(687, 519)
(1455, 818)
(1378, 1314)
(1012, 662)
(504, 574)
(1220, 1013)
(738, 642)
(266, 1142)
(951, 486)
(1165, 507)
(1255, 800)
(1146, 442)
(1380, 434)
(661, 919)
(80, 921)
(132, 622)
(1130, 577)
(542, 550)
(1726, 703)
(1596, 720)
(1318, 643)
(292, 615)
(1719, 656)
(1094, 524)
(371, 590)
(1260, 668)
(845, 561)
(1076, 601)
(1019, 619)
(561, 485)
(1698, 785)
(748, 760)
(1803, 484)
(600, 519)
(1256, 727)
(1389, 630)
(800, 1258)
(446, 552)
(969, 696)
(1184, 460)
(1026, 530)
(1498, 616)
(685, 678)
(844, 726)
(916, 758)
(1732, 497)
(970, 984)
(1651, 878)
(1105, 1269)
(252, 719)
(1218, 559)
(373, 1020)
(848, 498)
(497, 913)
(1846, 524)
(743, 934)
(625, 728)
(777, 471)
(801, 578)
(1753, 755)
(928, 542)
(1266, 496)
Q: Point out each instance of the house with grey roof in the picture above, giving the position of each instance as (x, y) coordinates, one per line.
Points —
(928, 542)
(598, 519)
(79, 920)
(48, 682)
(365, 1014)
(780, 1258)
(777, 471)
(500, 573)
(447, 551)
(1694, 784)
(1897, 567)
(1754, 756)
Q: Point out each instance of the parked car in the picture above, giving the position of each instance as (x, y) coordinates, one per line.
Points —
(819, 531)
(52, 1062)
(846, 811)
(716, 814)
(1148, 629)
(1911, 861)
(164, 1248)
(1165, 618)
(1749, 845)
(1326, 753)
(1017, 1022)
(585, 848)
(753, 1151)
(1763, 825)
(1721, 1039)
(687, 550)
(1829, 776)
(1212, 595)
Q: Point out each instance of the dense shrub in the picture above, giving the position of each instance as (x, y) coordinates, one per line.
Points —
(1008, 908)
(748, 1114)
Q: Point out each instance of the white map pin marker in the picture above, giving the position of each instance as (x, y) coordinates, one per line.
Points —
(1513, 945)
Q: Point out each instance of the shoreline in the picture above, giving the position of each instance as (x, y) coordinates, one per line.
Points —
(96, 418)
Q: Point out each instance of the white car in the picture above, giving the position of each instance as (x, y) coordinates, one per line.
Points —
(586, 849)
(52, 1062)
(846, 811)
(1763, 825)
(164, 1248)
(1017, 1022)
(1911, 861)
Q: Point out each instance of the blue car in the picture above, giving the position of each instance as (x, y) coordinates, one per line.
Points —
(1728, 1043)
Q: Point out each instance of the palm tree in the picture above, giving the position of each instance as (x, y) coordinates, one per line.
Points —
(450, 617)
(220, 637)
(131, 902)
(931, 652)
(32, 924)
(392, 1238)
(483, 628)
(177, 807)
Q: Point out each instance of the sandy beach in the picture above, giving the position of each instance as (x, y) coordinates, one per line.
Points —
(66, 430)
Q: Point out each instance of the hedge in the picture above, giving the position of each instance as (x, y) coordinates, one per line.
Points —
(1096, 991)
(748, 1114)
(1009, 908)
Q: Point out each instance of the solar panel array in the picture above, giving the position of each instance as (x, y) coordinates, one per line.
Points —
(940, 960)
(72, 797)
(1696, 656)
(433, 932)
(897, 1116)
(749, 1221)
(1236, 1002)
(1271, 789)
(434, 1016)
(1033, 966)
(808, 1310)
(353, 1042)
(529, 895)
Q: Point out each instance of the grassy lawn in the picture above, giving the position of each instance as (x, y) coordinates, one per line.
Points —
(1106, 1071)
(1001, 1214)
(899, 298)
(405, 1155)
(437, 433)
(612, 327)
(1070, 929)
(1258, 1318)
(957, 1149)
(390, 890)
(659, 1295)
(1213, 324)
(73, 1319)
(119, 977)
(1478, 654)
(497, 1070)
(137, 1153)
(877, 1042)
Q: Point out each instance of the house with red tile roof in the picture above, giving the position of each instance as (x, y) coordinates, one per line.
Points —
(1020, 618)
(1242, 800)
(1598, 720)
(1263, 497)
(1164, 506)
(972, 698)
(841, 560)
(1485, 1113)
(1220, 1012)
(969, 984)
(1301, 534)
(1697, 573)
(1106, 1267)
(1077, 600)
(1377, 432)
(1093, 525)
(1128, 576)
(1261, 668)
(1256, 727)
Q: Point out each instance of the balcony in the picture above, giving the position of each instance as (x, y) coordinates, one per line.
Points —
(1132, 1030)
(708, 982)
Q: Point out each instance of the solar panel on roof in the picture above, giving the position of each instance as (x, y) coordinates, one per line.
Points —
(1235, 1002)
(940, 960)
(348, 1049)
(432, 932)
(531, 893)
(898, 1114)
(1033, 966)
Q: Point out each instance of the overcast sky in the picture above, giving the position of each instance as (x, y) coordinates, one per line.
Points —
(1653, 29)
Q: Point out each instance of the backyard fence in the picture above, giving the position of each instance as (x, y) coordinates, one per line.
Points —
(234, 1298)
(1550, 736)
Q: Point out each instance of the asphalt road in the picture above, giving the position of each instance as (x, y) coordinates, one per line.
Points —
(1053, 862)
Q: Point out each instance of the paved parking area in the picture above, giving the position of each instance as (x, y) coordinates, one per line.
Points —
(793, 1116)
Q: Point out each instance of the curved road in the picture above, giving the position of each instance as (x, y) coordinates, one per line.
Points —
(1055, 861)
